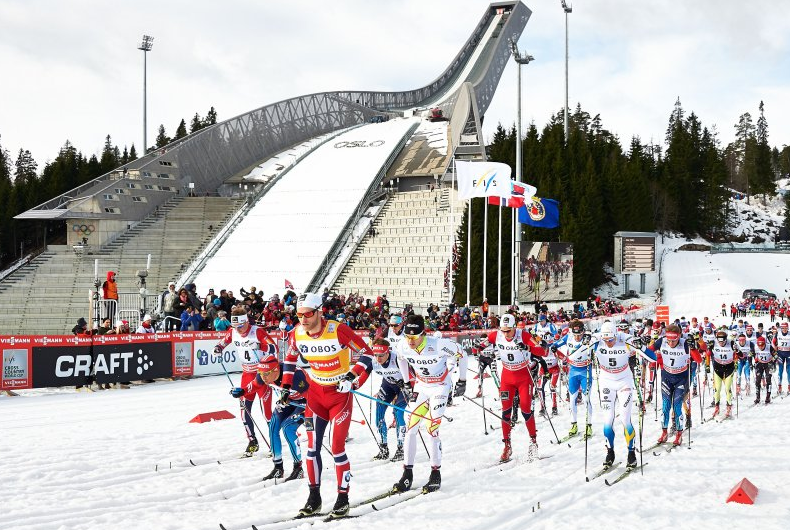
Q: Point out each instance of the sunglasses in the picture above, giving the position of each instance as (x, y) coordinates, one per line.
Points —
(505, 330)
(413, 337)
(306, 314)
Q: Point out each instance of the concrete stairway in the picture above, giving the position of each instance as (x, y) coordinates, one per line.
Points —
(406, 258)
(49, 294)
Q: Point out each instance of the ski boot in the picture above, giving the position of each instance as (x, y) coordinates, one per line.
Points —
(384, 452)
(757, 396)
(405, 482)
(507, 452)
(748, 388)
(554, 411)
(574, 429)
(609, 460)
(251, 449)
(296, 472)
(532, 452)
(313, 504)
(341, 507)
(649, 397)
(588, 431)
(767, 398)
(631, 464)
(479, 392)
(728, 412)
(542, 410)
(434, 481)
(678, 439)
(664, 436)
(694, 391)
(779, 390)
(277, 472)
(715, 410)
(398, 456)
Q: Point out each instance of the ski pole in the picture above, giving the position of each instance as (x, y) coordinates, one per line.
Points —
(483, 395)
(243, 407)
(543, 404)
(688, 390)
(366, 420)
(641, 421)
(494, 414)
(446, 417)
(419, 432)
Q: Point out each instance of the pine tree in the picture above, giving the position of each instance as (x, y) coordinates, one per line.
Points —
(181, 130)
(132, 153)
(109, 156)
(763, 171)
(211, 117)
(161, 138)
(196, 124)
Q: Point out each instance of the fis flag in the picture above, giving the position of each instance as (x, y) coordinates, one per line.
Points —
(289, 285)
(544, 213)
(482, 179)
(519, 193)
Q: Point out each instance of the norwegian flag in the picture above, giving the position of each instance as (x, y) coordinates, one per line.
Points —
(447, 276)
(289, 285)
(456, 256)
(517, 196)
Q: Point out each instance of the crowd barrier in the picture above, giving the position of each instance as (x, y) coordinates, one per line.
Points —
(34, 361)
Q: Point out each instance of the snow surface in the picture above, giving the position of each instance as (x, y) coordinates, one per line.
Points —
(82, 461)
(272, 244)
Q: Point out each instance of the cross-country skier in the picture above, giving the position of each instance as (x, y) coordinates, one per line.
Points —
(285, 419)
(781, 344)
(674, 358)
(615, 357)
(764, 357)
(251, 344)
(385, 364)
(723, 355)
(745, 349)
(432, 360)
(576, 351)
(516, 349)
(328, 347)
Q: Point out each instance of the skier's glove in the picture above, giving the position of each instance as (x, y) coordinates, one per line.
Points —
(285, 397)
(586, 338)
(460, 388)
(405, 389)
(217, 352)
(345, 385)
(553, 348)
(237, 392)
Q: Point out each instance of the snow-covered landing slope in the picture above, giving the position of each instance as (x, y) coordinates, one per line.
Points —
(291, 229)
(87, 461)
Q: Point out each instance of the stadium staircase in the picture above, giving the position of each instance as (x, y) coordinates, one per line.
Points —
(50, 293)
(406, 258)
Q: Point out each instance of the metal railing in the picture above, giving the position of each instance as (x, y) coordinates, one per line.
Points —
(727, 248)
(373, 190)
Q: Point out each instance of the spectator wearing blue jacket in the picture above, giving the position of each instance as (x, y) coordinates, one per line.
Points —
(190, 319)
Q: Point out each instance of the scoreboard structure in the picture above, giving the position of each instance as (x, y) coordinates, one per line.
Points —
(634, 253)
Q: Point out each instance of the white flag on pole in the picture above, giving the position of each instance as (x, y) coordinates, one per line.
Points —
(482, 179)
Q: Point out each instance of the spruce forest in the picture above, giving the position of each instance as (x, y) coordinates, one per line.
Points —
(23, 187)
(682, 185)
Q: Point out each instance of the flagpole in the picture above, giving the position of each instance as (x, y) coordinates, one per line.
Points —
(452, 223)
(485, 250)
(469, 252)
(512, 259)
(499, 265)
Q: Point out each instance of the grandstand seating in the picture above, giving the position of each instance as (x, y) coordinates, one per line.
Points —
(50, 293)
(406, 259)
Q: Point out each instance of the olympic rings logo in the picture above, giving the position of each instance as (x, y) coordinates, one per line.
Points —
(359, 143)
(85, 230)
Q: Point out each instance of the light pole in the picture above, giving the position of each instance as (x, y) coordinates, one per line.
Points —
(521, 59)
(567, 9)
(145, 46)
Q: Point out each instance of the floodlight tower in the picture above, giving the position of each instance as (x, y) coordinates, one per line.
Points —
(568, 9)
(145, 46)
(521, 59)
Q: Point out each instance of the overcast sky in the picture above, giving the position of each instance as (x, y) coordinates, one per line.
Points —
(71, 70)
